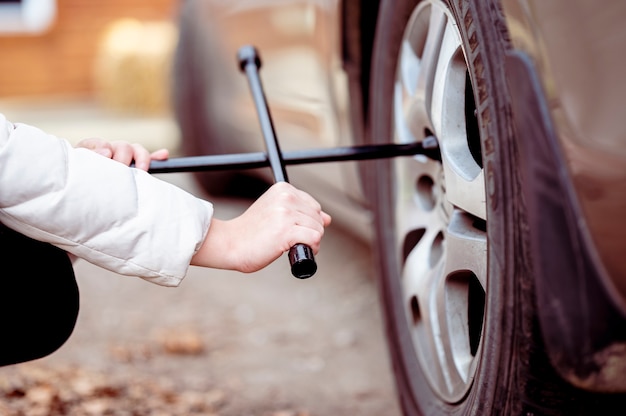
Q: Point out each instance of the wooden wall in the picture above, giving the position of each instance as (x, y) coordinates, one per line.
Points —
(60, 61)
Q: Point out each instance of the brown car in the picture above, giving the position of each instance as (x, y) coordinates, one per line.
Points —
(501, 267)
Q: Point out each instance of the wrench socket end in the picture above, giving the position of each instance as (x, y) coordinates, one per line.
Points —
(248, 55)
(302, 261)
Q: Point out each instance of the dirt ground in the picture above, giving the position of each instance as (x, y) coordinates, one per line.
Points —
(222, 343)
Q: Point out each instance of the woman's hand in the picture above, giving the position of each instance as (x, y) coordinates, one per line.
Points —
(124, 152)
(282, 217)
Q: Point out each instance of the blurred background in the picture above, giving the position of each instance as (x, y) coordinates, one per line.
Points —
(221, 343)
(105, 66)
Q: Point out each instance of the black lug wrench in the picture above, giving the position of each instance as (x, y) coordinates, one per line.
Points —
(254, 160)
(300, 256)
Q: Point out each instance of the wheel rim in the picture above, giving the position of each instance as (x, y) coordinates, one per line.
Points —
(440, 216)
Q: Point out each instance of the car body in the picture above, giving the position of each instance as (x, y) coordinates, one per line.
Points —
(501, 267)
(577, 75)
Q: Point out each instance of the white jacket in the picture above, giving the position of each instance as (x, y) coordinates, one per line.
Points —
(119, 218)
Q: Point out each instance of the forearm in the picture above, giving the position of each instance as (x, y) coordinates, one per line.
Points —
(98, 209)
(217, 248)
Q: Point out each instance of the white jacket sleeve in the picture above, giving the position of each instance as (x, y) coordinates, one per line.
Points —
(119, 218)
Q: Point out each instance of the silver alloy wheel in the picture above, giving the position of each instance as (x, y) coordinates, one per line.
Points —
(440, 219)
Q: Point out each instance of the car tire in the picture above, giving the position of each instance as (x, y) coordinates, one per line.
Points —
(455, 274)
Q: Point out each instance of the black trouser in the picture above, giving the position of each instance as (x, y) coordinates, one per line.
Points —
(39, 298)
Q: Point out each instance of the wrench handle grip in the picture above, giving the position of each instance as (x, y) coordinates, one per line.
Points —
(301, 256)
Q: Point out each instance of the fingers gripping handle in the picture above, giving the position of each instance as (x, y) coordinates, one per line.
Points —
(300, 256)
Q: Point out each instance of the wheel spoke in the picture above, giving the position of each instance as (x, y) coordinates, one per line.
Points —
(454, 360)
(420, 280)
(466, 247)
(417, 68)
(429, 311)
(447, 105)
(464, 178)
(466, 193)
(430, 55)
(410, 109)
(410, 116)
